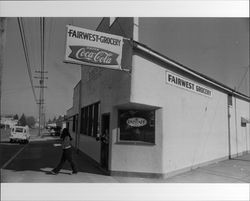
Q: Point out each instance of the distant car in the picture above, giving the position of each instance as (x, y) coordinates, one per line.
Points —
(20, 134)
(58, 131)
(52, 131)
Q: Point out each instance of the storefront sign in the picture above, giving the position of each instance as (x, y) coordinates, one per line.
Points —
(136, 122)
(184, 83)
(93, 48)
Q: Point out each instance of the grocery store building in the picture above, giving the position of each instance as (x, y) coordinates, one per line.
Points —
(155, 118)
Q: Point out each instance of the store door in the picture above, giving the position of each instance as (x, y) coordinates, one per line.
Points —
(105, 141)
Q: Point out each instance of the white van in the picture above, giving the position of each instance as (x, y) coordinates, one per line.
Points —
(20, 134)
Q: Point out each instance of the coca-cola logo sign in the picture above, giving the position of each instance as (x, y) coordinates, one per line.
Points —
(136, 122)
(93, 55)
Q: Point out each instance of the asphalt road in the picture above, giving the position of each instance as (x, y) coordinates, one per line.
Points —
(33, 162)
(7, 151)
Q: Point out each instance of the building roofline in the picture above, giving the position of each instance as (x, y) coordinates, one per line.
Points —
(207, 79)
(77, 84)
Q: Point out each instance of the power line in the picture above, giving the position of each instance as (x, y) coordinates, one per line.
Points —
(22, 33)
(49, 39)
(244, 76)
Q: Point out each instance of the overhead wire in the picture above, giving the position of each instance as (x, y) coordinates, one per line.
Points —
(22, 33)
(42, 41)
(49, 38)
(243, 78)
(15, 91)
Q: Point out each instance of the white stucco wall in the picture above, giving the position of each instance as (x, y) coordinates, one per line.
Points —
(111, 88)
(73, 111)
(239, 136)
(194, 127)
(191, 129)
(138, 158)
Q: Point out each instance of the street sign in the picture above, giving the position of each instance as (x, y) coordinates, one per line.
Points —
(93, 48)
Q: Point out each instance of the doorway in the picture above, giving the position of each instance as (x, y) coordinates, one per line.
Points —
(105, 141)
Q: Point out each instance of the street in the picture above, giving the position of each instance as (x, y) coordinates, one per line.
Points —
(33, 162)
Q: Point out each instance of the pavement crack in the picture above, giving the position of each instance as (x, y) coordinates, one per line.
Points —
(218, 174)
(13, 157)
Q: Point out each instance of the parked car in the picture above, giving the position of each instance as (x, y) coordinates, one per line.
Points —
(58, 131)
(20, 134)
(55, 131)
(52, 131)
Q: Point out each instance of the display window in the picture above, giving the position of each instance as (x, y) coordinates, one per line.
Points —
(90, 122)
(137, 126)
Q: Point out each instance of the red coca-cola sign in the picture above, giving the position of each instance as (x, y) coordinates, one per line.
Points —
(93, 55)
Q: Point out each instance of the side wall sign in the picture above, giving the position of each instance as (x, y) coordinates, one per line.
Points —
(93, 48)
(184, 83)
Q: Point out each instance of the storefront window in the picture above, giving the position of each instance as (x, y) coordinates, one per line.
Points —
(137, 125)
(90, 119)
(74, 124)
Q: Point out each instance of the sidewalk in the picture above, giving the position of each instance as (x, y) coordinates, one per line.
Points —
(38, 158)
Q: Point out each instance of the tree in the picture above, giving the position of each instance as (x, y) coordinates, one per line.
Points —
(22, 121)
(54, 120)
(59, 121)
(31, 121)
(15, 117)
(49, 121)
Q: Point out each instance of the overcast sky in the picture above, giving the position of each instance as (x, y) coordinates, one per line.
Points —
(218, 48)
(17, 96)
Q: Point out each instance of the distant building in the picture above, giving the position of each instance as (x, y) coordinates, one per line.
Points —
(8, 121)
(160, 119)
(51, 125)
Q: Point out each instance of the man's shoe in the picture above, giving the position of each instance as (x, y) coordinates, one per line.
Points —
(74, 172)
(53, 172)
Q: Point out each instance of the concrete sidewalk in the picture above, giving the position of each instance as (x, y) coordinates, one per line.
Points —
(38, 158)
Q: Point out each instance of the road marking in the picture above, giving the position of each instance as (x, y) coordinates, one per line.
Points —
(13, 157)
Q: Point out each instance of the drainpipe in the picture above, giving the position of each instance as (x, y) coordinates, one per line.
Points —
(229, 132)
(236, 130)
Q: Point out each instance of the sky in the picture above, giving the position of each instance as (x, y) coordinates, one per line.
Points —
(17, 96)
(216, 47)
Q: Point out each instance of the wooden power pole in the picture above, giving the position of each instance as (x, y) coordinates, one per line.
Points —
(41, 78)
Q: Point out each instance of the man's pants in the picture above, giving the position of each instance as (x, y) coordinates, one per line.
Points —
(66, 156)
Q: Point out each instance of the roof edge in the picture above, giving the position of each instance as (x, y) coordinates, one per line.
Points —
(207, 79)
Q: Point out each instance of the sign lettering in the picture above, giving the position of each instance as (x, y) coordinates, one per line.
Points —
(184, 83)
(93, 48)
(136, 122)
(93, 55)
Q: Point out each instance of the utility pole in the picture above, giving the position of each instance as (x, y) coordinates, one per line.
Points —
(41, 100)
(41, 78)
(3, 24)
